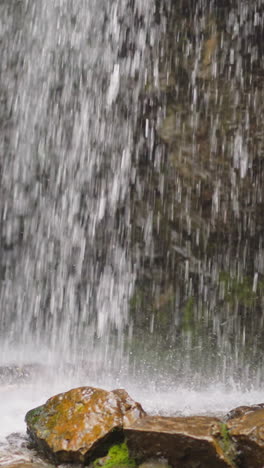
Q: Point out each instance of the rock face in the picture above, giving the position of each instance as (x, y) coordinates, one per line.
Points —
(247, 430)
(185, 442)
(81, 424)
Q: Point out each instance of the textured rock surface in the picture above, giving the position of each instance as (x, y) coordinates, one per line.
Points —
(242, 410)
(152, 463)
(247, 430)
(185, 442)
(79, 425)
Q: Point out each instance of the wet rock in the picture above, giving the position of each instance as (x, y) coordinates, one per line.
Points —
(131, 410)
(247, 430)
(155, 464)
(242, 410)
(184, 442)
(81, 424)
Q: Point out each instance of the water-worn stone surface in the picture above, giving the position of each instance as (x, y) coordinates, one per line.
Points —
(153, 463)
(242, 410)
(79, 425)
(247, 430)
(185, 442)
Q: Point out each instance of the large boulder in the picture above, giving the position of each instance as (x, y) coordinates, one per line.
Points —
(81, 424)
(246, 427)
(185, 442)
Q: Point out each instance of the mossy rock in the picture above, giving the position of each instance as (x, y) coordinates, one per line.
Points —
(227, 444)
(80, 425)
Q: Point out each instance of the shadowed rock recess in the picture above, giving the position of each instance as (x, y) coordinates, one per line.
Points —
(81, 425)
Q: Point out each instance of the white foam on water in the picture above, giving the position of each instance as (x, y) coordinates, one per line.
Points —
(188, 402)
(15, 401)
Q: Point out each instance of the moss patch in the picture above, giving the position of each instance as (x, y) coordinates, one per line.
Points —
(227, 444)
(240, 290)
(33, 415)
(117, 456)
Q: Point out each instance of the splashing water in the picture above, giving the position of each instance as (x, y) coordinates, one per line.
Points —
(66, 170)
(131, 200)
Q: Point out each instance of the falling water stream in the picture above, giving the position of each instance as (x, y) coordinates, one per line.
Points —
(131, 202)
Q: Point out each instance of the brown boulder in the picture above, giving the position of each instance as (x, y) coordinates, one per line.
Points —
(81, 424)
(246, 428)
(188, 442)
(242, 410)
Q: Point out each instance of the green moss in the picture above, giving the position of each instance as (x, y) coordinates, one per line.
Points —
(225, 437)
(240, 290)
(227, 444)
(188, 314)
(33, 415)
(118, 455)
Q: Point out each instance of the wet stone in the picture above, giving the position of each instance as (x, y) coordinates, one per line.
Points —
(154, 463)
(81, 424)
(242, 411)
(247, 430)
(184, 442)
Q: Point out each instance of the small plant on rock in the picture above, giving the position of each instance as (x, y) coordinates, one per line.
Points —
(118, 456)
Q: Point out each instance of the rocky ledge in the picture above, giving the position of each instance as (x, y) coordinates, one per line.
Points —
(92, 426)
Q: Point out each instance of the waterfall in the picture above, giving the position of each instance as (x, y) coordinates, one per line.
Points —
(131, 195)
(73, 74)
(199, 200)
